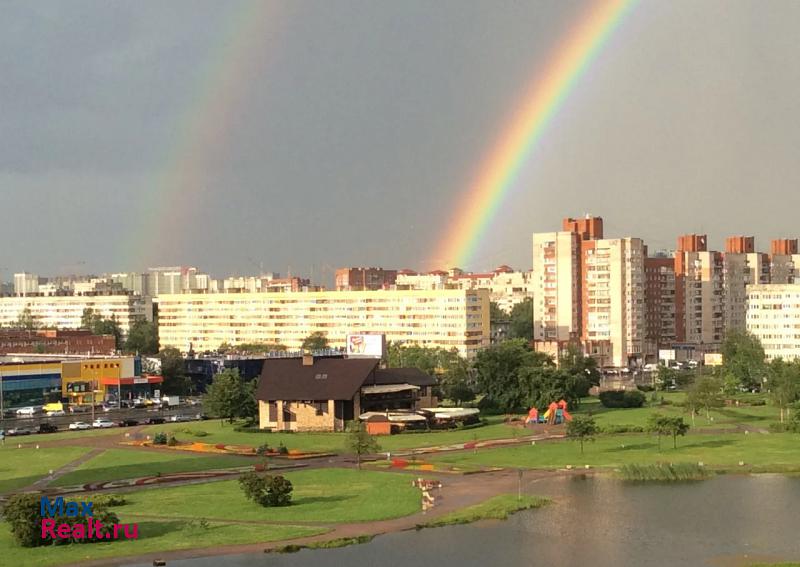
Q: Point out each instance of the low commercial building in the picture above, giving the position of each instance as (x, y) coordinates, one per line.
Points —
(308, 394)
(55, 341)
(29, 383)
(773, 317)
(450, 319)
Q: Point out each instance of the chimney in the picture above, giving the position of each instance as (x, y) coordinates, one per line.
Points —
(308, 359)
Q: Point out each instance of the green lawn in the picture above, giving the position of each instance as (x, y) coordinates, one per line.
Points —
(721, 418)
(323, 495)
(776, 451)
(496, 508)
(119, 464)
(154, 535)
(21, 467)
(331, 442)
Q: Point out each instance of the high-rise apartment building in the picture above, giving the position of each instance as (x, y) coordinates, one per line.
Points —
(699, 293)
(784, 261)
(742, 266)
(26, 283)
(590, 288)
(659, 304)
(433, 318)
(556, 286)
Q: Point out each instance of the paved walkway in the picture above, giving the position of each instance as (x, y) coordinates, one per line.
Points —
(42, 483)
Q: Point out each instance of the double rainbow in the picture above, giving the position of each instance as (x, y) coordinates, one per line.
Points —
(543, 99)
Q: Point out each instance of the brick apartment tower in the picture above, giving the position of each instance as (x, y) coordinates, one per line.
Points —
(742, 266)
(699, 293)
(784, 261)
(364, 279)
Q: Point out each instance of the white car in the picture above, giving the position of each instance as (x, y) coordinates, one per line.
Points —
(28, 411)
(55, 413)
(79, 425)
(102, 423)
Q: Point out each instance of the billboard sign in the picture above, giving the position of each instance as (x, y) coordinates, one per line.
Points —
(712, 359)
(666, 354)
(366, 346)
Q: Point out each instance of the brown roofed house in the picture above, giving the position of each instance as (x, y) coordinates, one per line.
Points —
(323, 394)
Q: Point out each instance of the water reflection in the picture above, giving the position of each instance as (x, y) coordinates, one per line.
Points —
(594, 521)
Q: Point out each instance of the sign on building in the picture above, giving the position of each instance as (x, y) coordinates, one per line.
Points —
(366, 346)
(712, 359)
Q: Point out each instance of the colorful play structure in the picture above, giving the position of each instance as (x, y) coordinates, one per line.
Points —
(556, 413)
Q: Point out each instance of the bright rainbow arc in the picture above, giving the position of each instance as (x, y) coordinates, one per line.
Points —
(545, 97)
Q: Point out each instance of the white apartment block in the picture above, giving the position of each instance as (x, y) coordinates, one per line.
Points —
(25, 283)
(739, 271)
(700, 298)
(773, 316)
(556, 285)
(613, 302)
(65, 311)
(432, 318)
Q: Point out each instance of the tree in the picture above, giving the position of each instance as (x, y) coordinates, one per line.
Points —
(174, 372)
(665, 376)
(582, 369)
(743, 358)
(498, 373)
(522, 320)
(582, 428)
(495, 313)
(26, 320)
(230, 397)
(360, 442)
(142, 338)
(315, 341)
(258, 348)
(706, 393)
(98, 325)
(676, 426)
(665, 425)
(783, 382)
(455, 381)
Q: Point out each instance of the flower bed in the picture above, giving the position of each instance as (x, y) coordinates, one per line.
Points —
(222, 449)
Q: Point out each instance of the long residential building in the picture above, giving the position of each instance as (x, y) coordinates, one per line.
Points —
(433, 318)
(66, 311)
(773, 316)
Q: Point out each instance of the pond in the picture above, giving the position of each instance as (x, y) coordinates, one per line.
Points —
(596, 521)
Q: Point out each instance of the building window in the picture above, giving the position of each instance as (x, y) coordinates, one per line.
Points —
(321, 407)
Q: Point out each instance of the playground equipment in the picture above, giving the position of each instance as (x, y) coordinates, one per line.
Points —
(556, 413)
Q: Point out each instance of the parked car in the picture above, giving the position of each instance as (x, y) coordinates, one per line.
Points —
(26, 412)
(138, 403)
(47, 428)
(55, 413)
(154, 420)
(181, 418)
(14, 431)
(79, 425)
(102, 424)
(79, 409)
(128, 422)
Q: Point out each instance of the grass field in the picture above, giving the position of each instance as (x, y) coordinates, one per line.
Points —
(496, 508)
(322, 495)
(154, 535)
(119, 464)
(21, 467)
(777, 451)
(331, 442)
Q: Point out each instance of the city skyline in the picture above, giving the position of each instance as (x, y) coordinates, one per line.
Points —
(673, 122)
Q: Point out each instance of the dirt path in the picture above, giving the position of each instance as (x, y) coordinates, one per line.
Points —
(42, 483)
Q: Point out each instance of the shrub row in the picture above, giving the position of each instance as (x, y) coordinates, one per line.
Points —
(622, 398)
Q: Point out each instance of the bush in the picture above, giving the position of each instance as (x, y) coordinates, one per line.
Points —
(109, 500)
(264, 449)
(645, 388)
(622, 429)
(282, 450)
(172, 441)
(622, 398)
(23, 514)
(160, 439)
(267, 491)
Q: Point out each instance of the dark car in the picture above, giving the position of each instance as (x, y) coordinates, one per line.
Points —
(128, 422)
(155, 420)
(47, 428)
